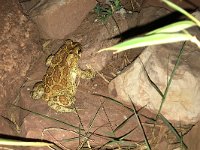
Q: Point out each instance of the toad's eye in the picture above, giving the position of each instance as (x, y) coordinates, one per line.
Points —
(79, 50)
(75, 51)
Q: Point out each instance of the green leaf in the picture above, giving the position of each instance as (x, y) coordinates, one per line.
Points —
(154, 39)
(176, 7)
(173, 130)
(174, 27)
(12, 142)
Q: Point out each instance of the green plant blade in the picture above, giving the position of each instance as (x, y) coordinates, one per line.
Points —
(176, 7)
(154, 39)
(12, 142)
(141, 126)
(174, 27)
(173, 130)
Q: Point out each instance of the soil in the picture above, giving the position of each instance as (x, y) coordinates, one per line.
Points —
(96, 112)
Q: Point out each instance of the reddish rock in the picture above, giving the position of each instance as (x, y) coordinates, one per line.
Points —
(66, 126)
(7, 127)
(18, 44)
(56, 19)
(134, 5)
(193, 137)
(92, 36)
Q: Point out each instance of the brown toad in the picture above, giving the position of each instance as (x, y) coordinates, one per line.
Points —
(59, 84)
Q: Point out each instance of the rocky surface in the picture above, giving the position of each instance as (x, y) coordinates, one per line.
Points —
(35, 118)
(158, 61)
(19, 47)
(92, 37)
(54, 17)
(183, 97)
(192, 138)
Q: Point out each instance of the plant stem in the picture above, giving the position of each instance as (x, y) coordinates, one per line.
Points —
(170, 79)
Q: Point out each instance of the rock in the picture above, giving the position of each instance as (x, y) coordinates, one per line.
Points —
(183, 98)
(92, 36)
(18, 44)
(132, 5)
(65, 128)
(7, 127)
(57, 18)
(133, 81)
(192, 138)
(96, 34)
(150, 14)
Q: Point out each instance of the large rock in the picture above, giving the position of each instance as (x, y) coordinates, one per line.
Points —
(183, 99)
(57, 18)
(18, 38)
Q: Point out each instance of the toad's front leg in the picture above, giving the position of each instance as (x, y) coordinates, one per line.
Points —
(38, 90)
(86, 74)
(62, 103)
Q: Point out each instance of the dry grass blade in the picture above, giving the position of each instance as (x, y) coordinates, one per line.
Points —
(126, 120)
(88, 133)
(47, 117)
(120, 140)
(171, 77)
(140, 124)
(123, 123)
(173, 130)
(115, 101)
(151, 82)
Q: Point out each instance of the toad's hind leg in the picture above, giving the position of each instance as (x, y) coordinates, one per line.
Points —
(58, 105)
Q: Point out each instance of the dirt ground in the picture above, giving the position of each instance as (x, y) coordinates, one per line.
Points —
(99, 119)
